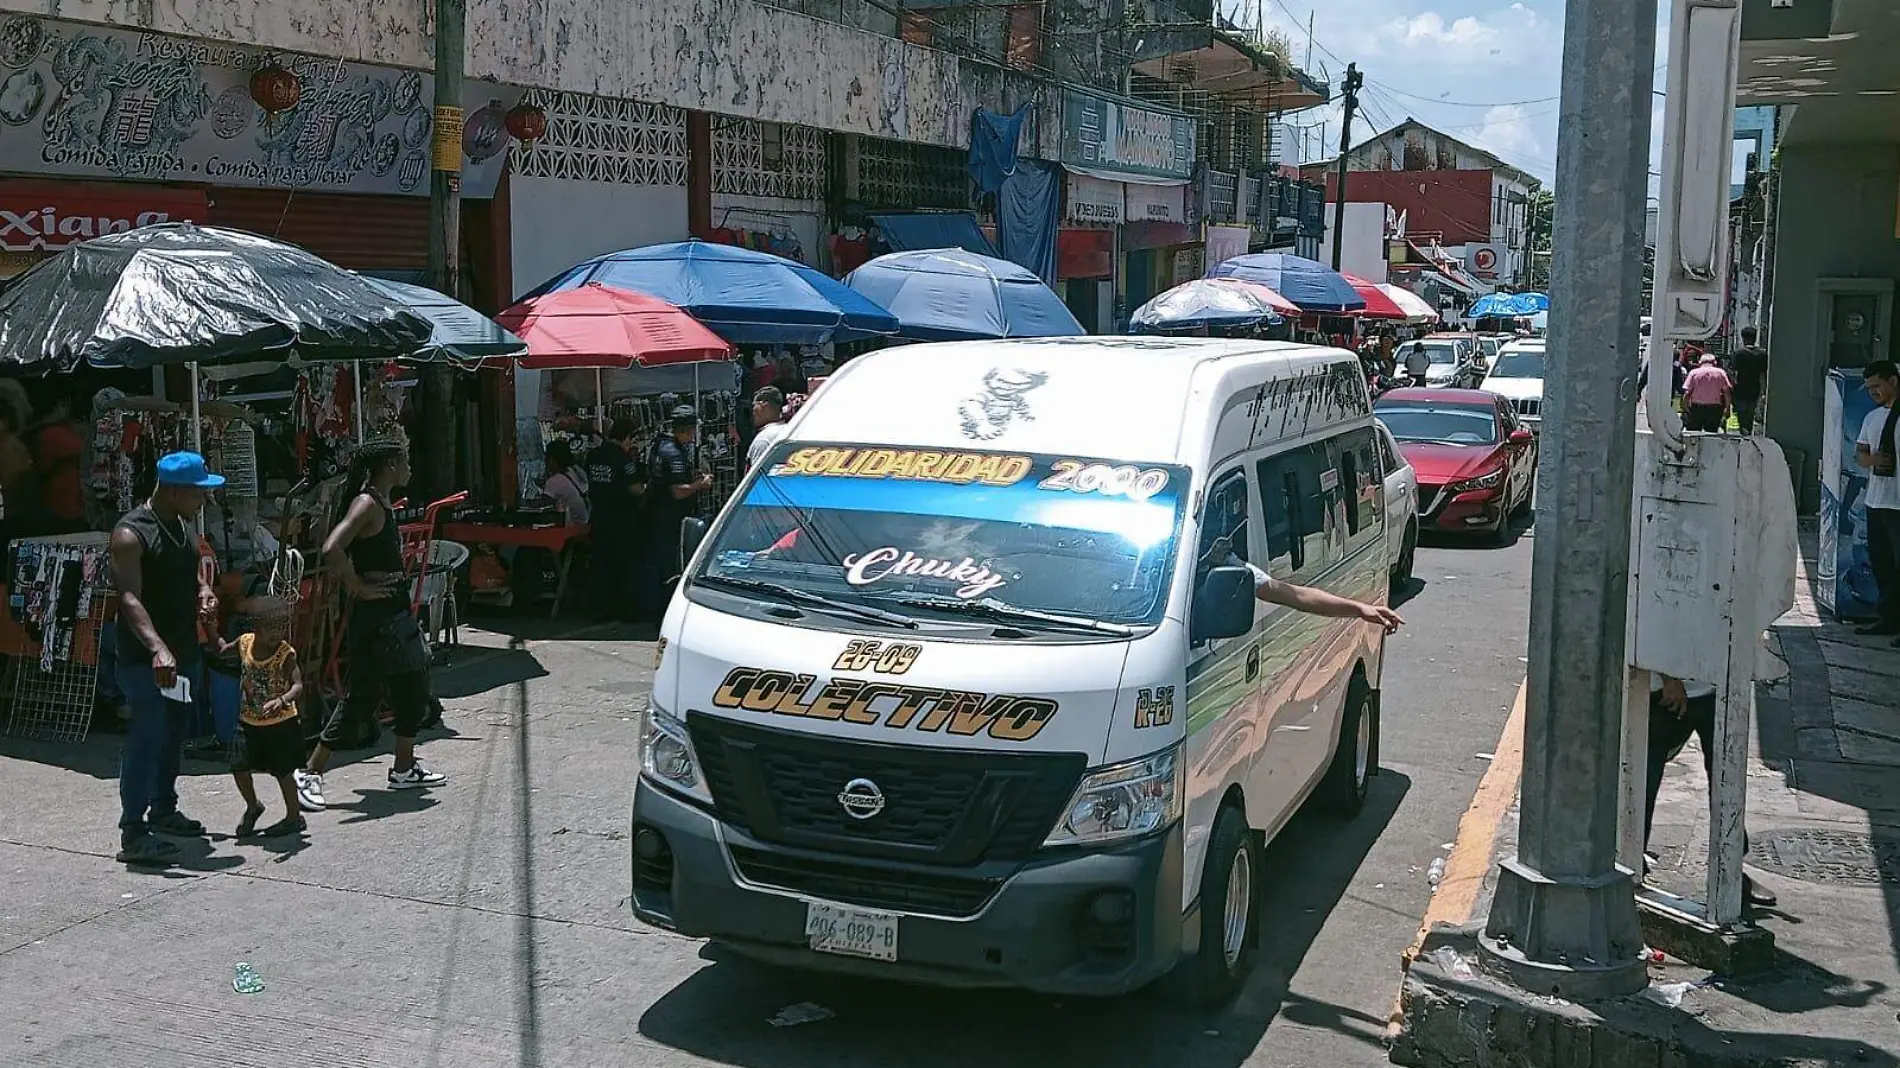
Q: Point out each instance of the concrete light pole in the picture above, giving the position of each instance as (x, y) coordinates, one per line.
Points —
(1564, 920)
(436, 448)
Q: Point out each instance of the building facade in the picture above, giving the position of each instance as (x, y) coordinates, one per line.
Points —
(1465, 202)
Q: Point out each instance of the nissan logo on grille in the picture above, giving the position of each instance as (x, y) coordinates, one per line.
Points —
(861, 799)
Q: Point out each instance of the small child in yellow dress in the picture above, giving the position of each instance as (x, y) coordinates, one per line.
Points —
(271, 734)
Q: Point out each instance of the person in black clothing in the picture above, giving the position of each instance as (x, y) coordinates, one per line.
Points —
(616, 483)
(1750, 371)
(162, 599)
(677, 484)
(387, 655)
(1677, 712)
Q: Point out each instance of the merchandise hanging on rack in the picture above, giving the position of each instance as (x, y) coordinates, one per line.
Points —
(61, 587)
(52, 589)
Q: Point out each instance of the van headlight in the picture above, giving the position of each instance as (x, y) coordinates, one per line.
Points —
(1124, 800)
(666, 755)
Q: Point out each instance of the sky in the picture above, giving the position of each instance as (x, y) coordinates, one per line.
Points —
(1483, 71)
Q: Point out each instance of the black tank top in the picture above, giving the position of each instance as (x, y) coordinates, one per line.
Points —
(380, 554)
(168, 569)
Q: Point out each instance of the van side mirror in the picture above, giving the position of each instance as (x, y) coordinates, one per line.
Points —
(1223, 605)
(692, 532)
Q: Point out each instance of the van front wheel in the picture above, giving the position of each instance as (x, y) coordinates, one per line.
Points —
(1343, 792)
(1229, 898)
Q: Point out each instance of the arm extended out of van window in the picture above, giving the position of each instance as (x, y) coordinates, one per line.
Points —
(1320, 603)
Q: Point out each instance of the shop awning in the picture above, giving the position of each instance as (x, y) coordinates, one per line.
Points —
(920, 230)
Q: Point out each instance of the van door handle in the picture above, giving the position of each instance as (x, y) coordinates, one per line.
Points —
(1253, 663)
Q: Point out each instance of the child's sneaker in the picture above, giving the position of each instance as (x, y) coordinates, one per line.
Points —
(309, 790)
(416, 776)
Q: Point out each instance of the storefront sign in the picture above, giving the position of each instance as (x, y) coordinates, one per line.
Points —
(1094, 200)
(79, 100)
(50, 220)
(1085, 254)
(1483, 260)
(1226, 242)
(1155, 203)
(1112, 136)
(1190, 262)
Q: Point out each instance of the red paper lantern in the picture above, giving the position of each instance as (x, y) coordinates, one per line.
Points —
(274, 88)
(527, 122)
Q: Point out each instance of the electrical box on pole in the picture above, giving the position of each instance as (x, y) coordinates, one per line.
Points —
(1691, 274)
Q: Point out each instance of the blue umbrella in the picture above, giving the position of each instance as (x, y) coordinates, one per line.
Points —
(1312, 285)
(1532, 303)
(746, 297)
(947, 294)
(1496, 305)
(1204, 302)
(459, 331)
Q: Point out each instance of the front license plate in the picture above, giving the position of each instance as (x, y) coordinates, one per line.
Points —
(850, 932)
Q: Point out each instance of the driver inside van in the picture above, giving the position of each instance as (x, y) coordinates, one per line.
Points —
(1295, 596)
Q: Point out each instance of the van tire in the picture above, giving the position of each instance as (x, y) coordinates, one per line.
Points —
(1408, 556)
(1349, 777)
(1216, 972)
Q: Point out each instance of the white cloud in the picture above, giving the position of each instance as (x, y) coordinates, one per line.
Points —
(1507, 132)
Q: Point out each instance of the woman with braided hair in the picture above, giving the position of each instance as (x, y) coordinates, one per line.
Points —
(387, 656)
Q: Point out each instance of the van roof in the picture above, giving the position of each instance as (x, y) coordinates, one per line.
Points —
(1109, 397)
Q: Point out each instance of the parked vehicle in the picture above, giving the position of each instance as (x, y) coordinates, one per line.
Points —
(1453, 359)
(1401, 508)
(1488, 346)
(1476, 463)
(967, 690)
(1517, 375)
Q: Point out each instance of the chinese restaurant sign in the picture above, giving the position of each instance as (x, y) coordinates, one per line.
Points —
(87, 101)
(37, 220)
(1108, 135)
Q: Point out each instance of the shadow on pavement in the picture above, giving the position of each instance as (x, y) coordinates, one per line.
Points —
(478, 672)
(722, 1012)
(1412, 588)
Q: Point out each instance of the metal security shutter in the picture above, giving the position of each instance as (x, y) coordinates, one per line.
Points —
(358, 231)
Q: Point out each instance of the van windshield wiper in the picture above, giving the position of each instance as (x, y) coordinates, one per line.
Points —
(991, 608)
(798, 596)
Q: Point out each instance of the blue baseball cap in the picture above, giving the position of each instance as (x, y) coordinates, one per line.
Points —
(186, 469)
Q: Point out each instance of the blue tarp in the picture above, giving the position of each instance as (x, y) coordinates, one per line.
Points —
(1508, 305)
(1312, 285)
(993, 138)
(952, 295)
(916, 231)
(746, 297)
(1027, 211)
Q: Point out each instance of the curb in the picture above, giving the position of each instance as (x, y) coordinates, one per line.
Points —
(1460, 892)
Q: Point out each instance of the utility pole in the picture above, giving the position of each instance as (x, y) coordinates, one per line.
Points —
(436, 449)
(1350, 89)
(1564, 919)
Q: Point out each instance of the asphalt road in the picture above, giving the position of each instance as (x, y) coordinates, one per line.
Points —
(486, 924)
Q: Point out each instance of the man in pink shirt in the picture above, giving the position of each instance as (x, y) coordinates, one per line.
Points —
(1705, 395)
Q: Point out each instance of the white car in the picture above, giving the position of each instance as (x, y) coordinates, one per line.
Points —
(1401, 508)
(1517, 375)
(1453, 360)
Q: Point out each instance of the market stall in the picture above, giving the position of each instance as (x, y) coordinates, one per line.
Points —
(212, 301)
(640, 356)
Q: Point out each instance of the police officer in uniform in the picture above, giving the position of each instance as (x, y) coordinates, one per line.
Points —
(678, 481)
(617, 483)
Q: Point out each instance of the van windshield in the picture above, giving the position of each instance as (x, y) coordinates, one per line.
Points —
(900, 528)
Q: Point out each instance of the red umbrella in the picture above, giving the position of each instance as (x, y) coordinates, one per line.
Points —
(1378, 305)
(1266, 293)
(600, 326)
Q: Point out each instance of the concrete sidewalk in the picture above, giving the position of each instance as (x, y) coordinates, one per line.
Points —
(1824, 825)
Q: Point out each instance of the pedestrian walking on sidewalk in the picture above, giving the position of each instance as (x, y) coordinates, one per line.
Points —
(1680, 710)
(1751, 372)
(162, 600)
(270, 734)
(678, 479)
(388, 658)
(1874, 452)
(1705, 395)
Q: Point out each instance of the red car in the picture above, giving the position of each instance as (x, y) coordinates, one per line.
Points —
(1476, 464)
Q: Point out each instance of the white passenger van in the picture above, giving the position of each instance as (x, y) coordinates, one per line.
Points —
(963, 686)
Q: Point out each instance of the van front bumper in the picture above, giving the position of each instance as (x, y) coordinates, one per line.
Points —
(1040, 930)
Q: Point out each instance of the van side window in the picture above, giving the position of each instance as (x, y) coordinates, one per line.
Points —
(1361, 486)
(1224, 522)
(1295, 504)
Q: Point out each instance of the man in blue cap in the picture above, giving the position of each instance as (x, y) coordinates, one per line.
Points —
(163, 595)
